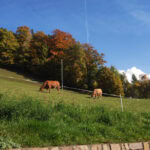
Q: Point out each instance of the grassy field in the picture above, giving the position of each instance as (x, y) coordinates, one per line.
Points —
(18, 85)
(33, 118)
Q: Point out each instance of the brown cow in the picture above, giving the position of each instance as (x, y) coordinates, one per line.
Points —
(50, 84)
(97, 93)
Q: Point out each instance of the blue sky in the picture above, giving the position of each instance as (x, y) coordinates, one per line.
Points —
(118, 28)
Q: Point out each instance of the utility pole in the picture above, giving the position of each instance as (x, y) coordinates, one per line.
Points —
(121, 102)
(62, 74)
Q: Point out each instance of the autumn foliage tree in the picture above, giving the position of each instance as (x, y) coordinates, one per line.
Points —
(24, 36)
(40, 48)
(109, 82)
(145, 89)
(40, 54)
(93, 61)
(75, 66)
(39, 45)
(60, 42)
(8, 47)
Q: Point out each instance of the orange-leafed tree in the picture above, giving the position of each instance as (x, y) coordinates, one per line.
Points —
(59, 42)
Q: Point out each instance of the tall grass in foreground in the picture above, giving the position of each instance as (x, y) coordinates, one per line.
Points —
(31, 122)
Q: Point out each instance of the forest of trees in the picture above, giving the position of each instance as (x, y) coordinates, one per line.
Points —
(39, 55)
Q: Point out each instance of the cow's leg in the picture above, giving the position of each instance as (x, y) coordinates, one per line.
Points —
(57, 88)
(100, 96)
(49, 88)
(96, 95)
(93, 96)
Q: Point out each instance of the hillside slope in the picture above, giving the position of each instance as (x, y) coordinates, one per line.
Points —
(18, 85)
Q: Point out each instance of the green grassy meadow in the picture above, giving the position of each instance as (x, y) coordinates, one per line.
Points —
(32, 118)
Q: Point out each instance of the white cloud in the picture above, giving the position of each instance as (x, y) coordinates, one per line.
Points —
(131, 71)
(142, 16)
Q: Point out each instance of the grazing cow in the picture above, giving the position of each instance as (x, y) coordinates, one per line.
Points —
(50, 84)
(97, 93)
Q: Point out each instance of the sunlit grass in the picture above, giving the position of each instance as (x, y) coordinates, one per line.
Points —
(18, 88)
(70, 117)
